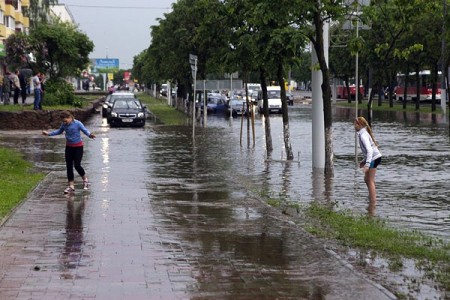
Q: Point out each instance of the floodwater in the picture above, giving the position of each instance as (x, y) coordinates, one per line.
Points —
(200, 193)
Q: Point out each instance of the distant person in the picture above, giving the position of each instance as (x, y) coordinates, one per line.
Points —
(43, 80)
(74, 148)
(6, 88)
(372, 158)
(37, 91)
(15, 86)
(23, 87)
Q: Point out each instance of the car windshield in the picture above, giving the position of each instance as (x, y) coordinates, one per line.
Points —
(236, 102)
(214, 100)
(127, 103)
(273, 94)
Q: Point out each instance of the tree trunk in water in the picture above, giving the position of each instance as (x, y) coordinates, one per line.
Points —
(369, 106)
(284, 108)
(417, 87)
(405, 93)
(347, 88)
(434, 77)
(269, 145)
(318, 43)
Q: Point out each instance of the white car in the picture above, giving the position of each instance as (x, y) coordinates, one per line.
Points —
(274, 99)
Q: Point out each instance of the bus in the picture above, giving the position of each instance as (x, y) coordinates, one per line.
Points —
(425, 83)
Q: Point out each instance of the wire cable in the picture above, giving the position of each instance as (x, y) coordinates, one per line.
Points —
(117, 7)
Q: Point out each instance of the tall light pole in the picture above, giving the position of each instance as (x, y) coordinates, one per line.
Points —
(356, 81)
(443, 60)
(193, 62)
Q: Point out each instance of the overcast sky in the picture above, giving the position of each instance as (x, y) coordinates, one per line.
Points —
(119, 29)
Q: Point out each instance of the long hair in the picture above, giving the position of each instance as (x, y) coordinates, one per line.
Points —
(363, 122)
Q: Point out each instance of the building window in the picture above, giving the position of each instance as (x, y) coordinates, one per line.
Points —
(2, 21)
(9, 22)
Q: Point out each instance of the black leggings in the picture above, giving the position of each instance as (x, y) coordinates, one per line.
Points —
(73, 158)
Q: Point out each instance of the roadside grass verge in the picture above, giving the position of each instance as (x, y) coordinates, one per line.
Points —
(364, 232)
(410, 107)
(16, 180)
(165, 113)
(84, 101)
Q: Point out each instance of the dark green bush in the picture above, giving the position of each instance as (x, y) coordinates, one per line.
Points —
(59, 92)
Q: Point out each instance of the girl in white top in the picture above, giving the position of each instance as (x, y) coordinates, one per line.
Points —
(372, 158)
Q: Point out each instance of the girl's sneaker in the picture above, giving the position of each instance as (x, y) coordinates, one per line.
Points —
(69, 190)
(86, 184)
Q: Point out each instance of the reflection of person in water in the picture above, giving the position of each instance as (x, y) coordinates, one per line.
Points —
(372, 158)
(71, 255)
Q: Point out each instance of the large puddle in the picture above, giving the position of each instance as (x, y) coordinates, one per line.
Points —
(201, 179)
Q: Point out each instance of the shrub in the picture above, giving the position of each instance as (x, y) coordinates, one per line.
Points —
(59, 92)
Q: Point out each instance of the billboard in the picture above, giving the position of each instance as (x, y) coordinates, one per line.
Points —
(105, 65)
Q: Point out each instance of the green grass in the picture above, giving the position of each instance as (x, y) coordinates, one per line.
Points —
(16, 180)
(165, 113)
(410, 107)
(364, 232)
(372, 233)
(86, 101)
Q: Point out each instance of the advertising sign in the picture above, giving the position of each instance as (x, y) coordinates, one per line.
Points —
(105, 65)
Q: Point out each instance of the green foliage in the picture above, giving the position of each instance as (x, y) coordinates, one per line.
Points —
(61, 50)
(16, 180)
(59, 92)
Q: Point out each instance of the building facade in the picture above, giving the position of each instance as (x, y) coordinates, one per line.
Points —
(12, 20)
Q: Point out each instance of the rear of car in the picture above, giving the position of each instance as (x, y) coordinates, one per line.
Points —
(109, 101)
(127, 112)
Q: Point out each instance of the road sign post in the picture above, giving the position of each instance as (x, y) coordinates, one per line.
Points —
(193, 63)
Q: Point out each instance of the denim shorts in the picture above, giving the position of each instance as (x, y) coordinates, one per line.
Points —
(374, 163)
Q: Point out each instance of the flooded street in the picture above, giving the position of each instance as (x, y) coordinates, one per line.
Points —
(194, 207)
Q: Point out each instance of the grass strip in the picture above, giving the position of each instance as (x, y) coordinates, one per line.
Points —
(372, 233)
(16, 180)
(165, 113)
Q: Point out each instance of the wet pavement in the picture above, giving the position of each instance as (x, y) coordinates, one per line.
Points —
(163, 219)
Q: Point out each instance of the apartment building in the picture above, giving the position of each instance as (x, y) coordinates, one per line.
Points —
(12, 19)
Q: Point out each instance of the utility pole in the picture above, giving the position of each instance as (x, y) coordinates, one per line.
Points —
(443, 62)
(193, 62)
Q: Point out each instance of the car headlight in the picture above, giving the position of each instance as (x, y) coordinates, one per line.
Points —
(105, 105)
(113, 114)
(140, 115)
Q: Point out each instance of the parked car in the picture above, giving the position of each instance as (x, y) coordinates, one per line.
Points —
(127, 112)
(238, 107)
(215, 105)
(109, 101)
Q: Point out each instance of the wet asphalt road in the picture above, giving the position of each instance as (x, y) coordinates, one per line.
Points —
(163, 220)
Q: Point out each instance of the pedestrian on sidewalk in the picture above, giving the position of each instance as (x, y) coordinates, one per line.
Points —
(37, 91)
(23, 86)
(372, 158)
(15, 86)
(74, 148)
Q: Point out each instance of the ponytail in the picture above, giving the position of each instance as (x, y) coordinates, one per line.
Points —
(363, 122)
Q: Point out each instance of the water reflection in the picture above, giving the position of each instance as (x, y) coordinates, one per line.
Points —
(72, 252)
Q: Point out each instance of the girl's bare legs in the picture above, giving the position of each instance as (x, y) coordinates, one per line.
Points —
(369, 179)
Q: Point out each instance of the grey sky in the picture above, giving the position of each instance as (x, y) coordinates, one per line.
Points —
(119, 29)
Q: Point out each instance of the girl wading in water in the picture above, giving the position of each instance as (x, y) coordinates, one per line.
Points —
(74, 148)
(372, 158)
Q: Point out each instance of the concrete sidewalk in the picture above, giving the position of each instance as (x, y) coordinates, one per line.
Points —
(144, 231)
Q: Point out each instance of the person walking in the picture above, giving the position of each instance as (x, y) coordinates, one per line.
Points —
(37, 91)
(74, 148)
(23, 86)
(372, 158)
(16, 86)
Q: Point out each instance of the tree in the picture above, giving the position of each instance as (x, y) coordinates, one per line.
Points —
(61, 50)
(317, 13)
(18, 49)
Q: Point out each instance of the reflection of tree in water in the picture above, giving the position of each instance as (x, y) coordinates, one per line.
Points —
(72, 252)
